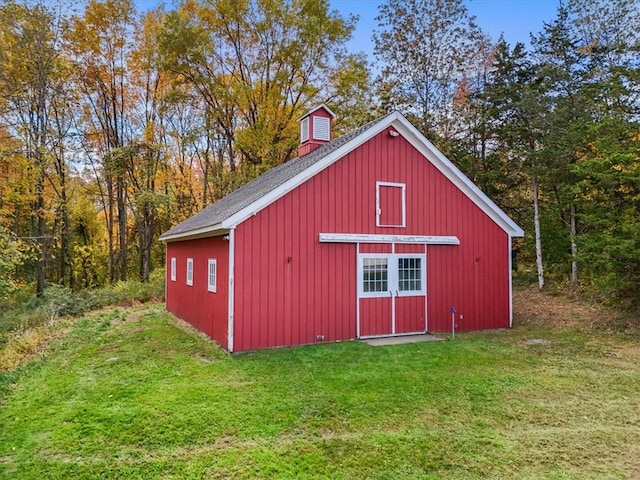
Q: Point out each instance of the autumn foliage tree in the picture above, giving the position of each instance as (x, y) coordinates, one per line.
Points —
(256, 67)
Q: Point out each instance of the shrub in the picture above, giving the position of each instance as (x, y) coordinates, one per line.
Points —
(28, 312)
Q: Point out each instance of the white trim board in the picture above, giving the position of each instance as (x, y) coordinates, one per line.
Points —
(323, 106)
(372, 238)
(230, 300)
(403, 206)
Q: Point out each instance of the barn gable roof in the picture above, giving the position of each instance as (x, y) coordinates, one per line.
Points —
(252, 197)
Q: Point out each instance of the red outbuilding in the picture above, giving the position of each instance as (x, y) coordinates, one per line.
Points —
(375, 233)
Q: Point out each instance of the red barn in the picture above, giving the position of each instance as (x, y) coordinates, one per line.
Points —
(375, 233)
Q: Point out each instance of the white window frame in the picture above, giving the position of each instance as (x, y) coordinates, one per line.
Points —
(393, 277)
(361, 259)
(402, 186)
(304, 129)
(423, 274)
(190, 272)
(173, 269)
(321, 124)
(212, 275)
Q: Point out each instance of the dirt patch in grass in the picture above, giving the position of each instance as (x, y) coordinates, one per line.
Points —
(532, 307)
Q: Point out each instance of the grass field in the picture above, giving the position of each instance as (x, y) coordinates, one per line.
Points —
(132, 393)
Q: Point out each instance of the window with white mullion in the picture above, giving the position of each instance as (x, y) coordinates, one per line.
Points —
(212, 271)
(375, 277)
(190, 272)
(391, 274)
(411, 274)
(173, 269)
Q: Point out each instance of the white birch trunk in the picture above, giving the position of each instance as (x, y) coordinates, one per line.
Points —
(536, 225)
(574, 246)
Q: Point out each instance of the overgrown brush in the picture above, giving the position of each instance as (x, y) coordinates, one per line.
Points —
(30, 313)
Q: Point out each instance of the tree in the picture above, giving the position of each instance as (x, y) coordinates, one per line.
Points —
(586, 59)
(257, 66)
(13, 253)
(30, 81)
(423, 47)
(608, 197)
(101, 43)
(561, 67)
(146, 158)
(513, 102)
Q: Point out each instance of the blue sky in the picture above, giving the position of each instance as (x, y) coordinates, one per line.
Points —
(515, 18)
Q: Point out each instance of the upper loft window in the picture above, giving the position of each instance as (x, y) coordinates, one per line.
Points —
(391, 205)
(321, 128)
(304, 129)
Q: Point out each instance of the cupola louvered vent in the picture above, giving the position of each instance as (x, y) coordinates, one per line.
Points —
(321, 128)
(315, 129)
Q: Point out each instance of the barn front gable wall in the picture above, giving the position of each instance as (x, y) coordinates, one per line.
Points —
(291, 289)
(205, 310)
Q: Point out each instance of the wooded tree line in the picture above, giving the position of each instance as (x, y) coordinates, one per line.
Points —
(116, 124)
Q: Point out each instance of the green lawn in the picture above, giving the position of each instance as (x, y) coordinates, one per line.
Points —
(135, 394)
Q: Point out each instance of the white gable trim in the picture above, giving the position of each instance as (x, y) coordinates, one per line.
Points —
(413, 136)
(372, 238)
(459, 179)
(322, 106)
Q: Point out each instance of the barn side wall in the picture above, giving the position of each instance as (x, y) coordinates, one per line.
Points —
(291, 289)
(206, 311)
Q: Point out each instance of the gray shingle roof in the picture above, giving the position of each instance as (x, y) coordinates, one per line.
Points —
(260, 186)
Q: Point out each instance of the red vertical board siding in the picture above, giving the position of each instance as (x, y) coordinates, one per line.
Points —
(375, 248)
(409, 248)
(206, 311)
(291, 289)
(410, 314)
(375, 316)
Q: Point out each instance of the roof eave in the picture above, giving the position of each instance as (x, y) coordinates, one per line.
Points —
(211, 231)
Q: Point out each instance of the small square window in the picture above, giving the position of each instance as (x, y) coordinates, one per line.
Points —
(190, 272)
(173, 269)
(212, 275)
